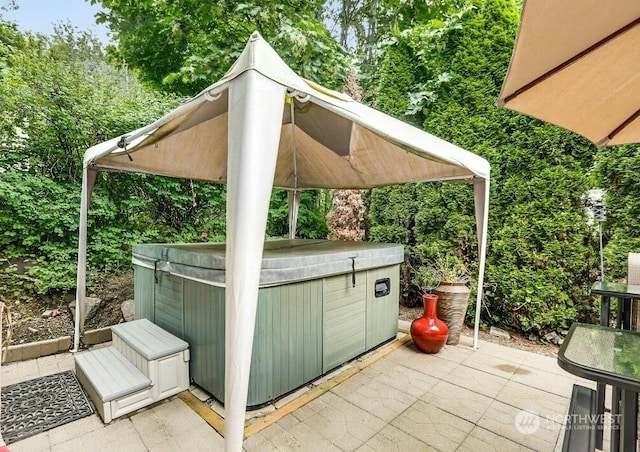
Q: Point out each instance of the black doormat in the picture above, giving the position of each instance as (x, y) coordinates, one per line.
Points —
(38, 405)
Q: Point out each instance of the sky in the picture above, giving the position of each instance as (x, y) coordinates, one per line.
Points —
(40, 15)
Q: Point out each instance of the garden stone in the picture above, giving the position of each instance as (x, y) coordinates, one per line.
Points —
(128, 311)
(91, 307)
(552, 337)
(499, 332)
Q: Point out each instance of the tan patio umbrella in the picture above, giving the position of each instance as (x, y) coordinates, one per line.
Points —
(576, 64)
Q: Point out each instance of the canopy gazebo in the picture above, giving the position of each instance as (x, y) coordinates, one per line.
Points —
(263, 126)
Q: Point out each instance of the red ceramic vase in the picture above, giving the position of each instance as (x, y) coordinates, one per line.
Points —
(428, 332)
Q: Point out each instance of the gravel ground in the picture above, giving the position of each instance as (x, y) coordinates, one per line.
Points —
(49, 317)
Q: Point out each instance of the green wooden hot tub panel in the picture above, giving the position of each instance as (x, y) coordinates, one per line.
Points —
(168, 304)
(204, 331)
(382, 312)
(344, 319)
(287, 345)
(143, 291)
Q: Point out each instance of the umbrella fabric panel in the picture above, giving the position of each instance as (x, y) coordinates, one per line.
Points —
(552, 32)
(575, 65)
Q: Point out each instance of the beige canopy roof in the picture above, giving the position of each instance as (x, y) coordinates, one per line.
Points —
(338, 142)
(575, 64)
(261, 126)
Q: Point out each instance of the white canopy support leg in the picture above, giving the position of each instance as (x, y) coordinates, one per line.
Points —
(293, 197)
(256, 105)
(481, 196)
(88, 181)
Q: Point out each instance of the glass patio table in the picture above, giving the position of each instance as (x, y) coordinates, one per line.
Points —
(610, 356)
(624, 293)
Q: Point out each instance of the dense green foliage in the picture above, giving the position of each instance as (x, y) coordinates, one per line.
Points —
(362, 25)
(311, 216)
(185, 46)
(541, 257)
(617, 169)
(60, 97)
(38, 221)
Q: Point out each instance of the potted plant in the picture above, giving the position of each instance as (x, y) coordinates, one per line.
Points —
(452, 291)
(429, 333)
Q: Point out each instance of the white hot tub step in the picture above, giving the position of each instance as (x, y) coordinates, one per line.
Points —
(158, 354)
(115, 385)
(147, 339)
(145, 364)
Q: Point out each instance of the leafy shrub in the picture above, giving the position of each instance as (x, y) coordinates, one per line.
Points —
(541, 258)
(311, 221)
(617, 170)
(60, 97)
(38, 224)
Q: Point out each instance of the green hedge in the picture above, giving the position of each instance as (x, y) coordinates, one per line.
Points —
(542, 254)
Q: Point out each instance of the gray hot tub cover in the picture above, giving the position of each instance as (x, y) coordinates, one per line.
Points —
(283, 261)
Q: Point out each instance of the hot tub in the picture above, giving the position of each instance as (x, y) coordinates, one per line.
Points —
(321, 303)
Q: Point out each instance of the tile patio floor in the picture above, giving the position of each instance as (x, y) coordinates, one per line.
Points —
(458, 400)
